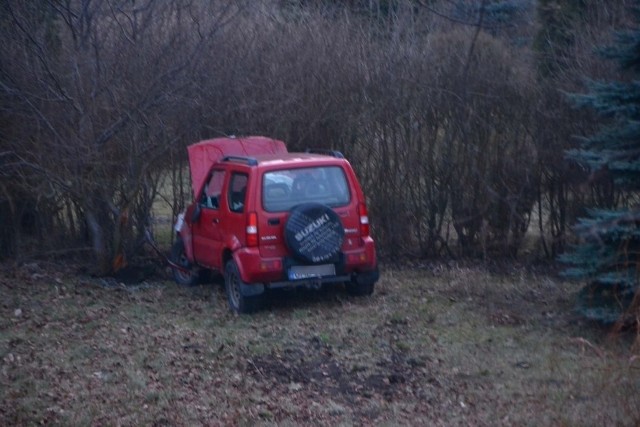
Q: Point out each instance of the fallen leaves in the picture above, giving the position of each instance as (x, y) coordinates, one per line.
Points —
(75, 352)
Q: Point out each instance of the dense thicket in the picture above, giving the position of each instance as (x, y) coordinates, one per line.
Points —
(452, 113)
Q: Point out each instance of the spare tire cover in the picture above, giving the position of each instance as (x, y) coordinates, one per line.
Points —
(313, 233)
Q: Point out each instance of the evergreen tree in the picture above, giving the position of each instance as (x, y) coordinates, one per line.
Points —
(609, 252)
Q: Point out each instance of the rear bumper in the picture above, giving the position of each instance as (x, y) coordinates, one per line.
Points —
(308, 283)
(362, 278)
(359, 265)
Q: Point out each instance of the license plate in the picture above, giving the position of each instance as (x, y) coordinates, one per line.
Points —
(298, 272)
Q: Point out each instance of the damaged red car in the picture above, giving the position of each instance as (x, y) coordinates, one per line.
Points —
(266, 218)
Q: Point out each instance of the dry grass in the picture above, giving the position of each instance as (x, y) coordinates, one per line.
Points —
(435, 345)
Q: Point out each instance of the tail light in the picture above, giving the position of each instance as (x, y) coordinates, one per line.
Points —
(364, 219)
(252, 229)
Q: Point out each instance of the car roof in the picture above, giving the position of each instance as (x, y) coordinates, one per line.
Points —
(297, 159)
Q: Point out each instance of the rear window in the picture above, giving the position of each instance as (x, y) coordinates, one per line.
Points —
(285, 188)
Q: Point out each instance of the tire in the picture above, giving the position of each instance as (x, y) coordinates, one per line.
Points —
(178, 256)
(314, 233)
(238, 303)
(362, 284)
(360, 289)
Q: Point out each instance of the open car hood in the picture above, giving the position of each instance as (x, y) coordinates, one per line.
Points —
(204, 154)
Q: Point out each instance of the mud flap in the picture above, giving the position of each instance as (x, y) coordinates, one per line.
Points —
(251, 290)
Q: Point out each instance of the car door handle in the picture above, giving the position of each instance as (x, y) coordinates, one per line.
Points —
(274, 221)
(215, 220)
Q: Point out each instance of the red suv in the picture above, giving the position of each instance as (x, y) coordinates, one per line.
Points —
(266, 218)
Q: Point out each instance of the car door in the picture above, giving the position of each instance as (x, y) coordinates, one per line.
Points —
(234, 219)
(207, 235)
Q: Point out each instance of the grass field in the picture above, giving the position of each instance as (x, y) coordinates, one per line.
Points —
(435, 345)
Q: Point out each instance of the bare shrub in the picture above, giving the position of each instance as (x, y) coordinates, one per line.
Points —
(436, 103)
(96, 95)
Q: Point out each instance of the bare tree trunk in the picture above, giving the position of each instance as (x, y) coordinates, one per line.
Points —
(98, 242)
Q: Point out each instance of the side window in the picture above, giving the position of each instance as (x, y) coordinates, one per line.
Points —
(338, 184)
(237, 192)
(212, 190)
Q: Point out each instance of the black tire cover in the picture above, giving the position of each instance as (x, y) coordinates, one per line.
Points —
(313, 233)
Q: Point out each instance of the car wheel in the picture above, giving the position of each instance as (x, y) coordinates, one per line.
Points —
(360, 289)
(314, 233)
(189, 276)
(238, 303)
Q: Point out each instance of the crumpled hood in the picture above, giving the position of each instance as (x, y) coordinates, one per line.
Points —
(204, 154)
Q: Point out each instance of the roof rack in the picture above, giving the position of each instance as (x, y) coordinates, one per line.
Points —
(248, 160)
(334, 153)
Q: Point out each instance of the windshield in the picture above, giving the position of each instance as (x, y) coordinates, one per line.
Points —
(285, 188)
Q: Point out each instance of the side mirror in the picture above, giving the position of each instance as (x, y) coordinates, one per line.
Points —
(195, 216)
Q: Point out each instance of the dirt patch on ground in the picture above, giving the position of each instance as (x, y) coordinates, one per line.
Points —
(321, 370)
(434, 345)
